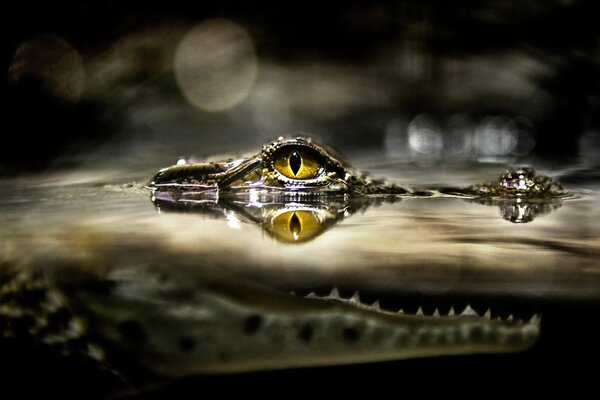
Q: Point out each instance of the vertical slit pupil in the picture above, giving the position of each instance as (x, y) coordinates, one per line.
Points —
(295, 226)
(295, 162)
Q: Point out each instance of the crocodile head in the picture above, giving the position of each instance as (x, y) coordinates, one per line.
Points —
(301, 169)
(297, 165)
(292, 183)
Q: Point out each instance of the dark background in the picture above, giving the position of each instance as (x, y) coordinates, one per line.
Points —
(537, 61)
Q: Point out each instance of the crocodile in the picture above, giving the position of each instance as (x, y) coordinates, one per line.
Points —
(127, 308)
(301, 173)
(304, 167)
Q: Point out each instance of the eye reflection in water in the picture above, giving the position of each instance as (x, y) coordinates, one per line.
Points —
(302, 221)
(287, 222)
(295, 225)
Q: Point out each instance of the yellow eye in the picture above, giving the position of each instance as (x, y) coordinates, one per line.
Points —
(295, 226)
(297, 163)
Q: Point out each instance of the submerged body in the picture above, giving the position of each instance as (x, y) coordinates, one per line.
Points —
(181, 323)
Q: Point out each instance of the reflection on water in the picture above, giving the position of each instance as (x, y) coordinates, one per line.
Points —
(288, 222)
(522, 210)
(299, 221)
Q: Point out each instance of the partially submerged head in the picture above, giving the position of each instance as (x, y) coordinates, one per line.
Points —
(291, 165)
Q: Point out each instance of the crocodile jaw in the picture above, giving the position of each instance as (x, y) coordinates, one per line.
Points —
(234, 329)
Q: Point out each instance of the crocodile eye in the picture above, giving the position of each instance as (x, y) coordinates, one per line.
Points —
(296, 226)
(297, 162)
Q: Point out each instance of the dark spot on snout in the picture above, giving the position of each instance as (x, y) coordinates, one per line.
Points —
(350, 335)
(306, 333)
(253, 323)
(31, 298)
(58, 320)
(131, 331)
(186, 344)
(100, 287)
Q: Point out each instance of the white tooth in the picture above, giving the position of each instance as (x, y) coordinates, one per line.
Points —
(535, 319)
(498, 318)
(355, 299)
(451, 313)
(488, 314)
(436, 313)
(510, 318)
(293, 293)
(469, 311)
(420, 311)
(401, 311)
(334, 293)
(311, 295)
(376, 305)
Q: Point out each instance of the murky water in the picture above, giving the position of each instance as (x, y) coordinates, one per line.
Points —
(416, 244)
(420, 251)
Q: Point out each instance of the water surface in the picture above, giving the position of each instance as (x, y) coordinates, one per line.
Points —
(415, 251)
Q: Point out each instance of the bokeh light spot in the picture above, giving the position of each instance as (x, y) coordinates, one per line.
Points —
(53, 64)
(496, 136)
(216, 65)
(425, 138)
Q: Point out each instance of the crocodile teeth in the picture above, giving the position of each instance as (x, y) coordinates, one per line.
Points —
(335, 294)
(376, 306)
(469, 311)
